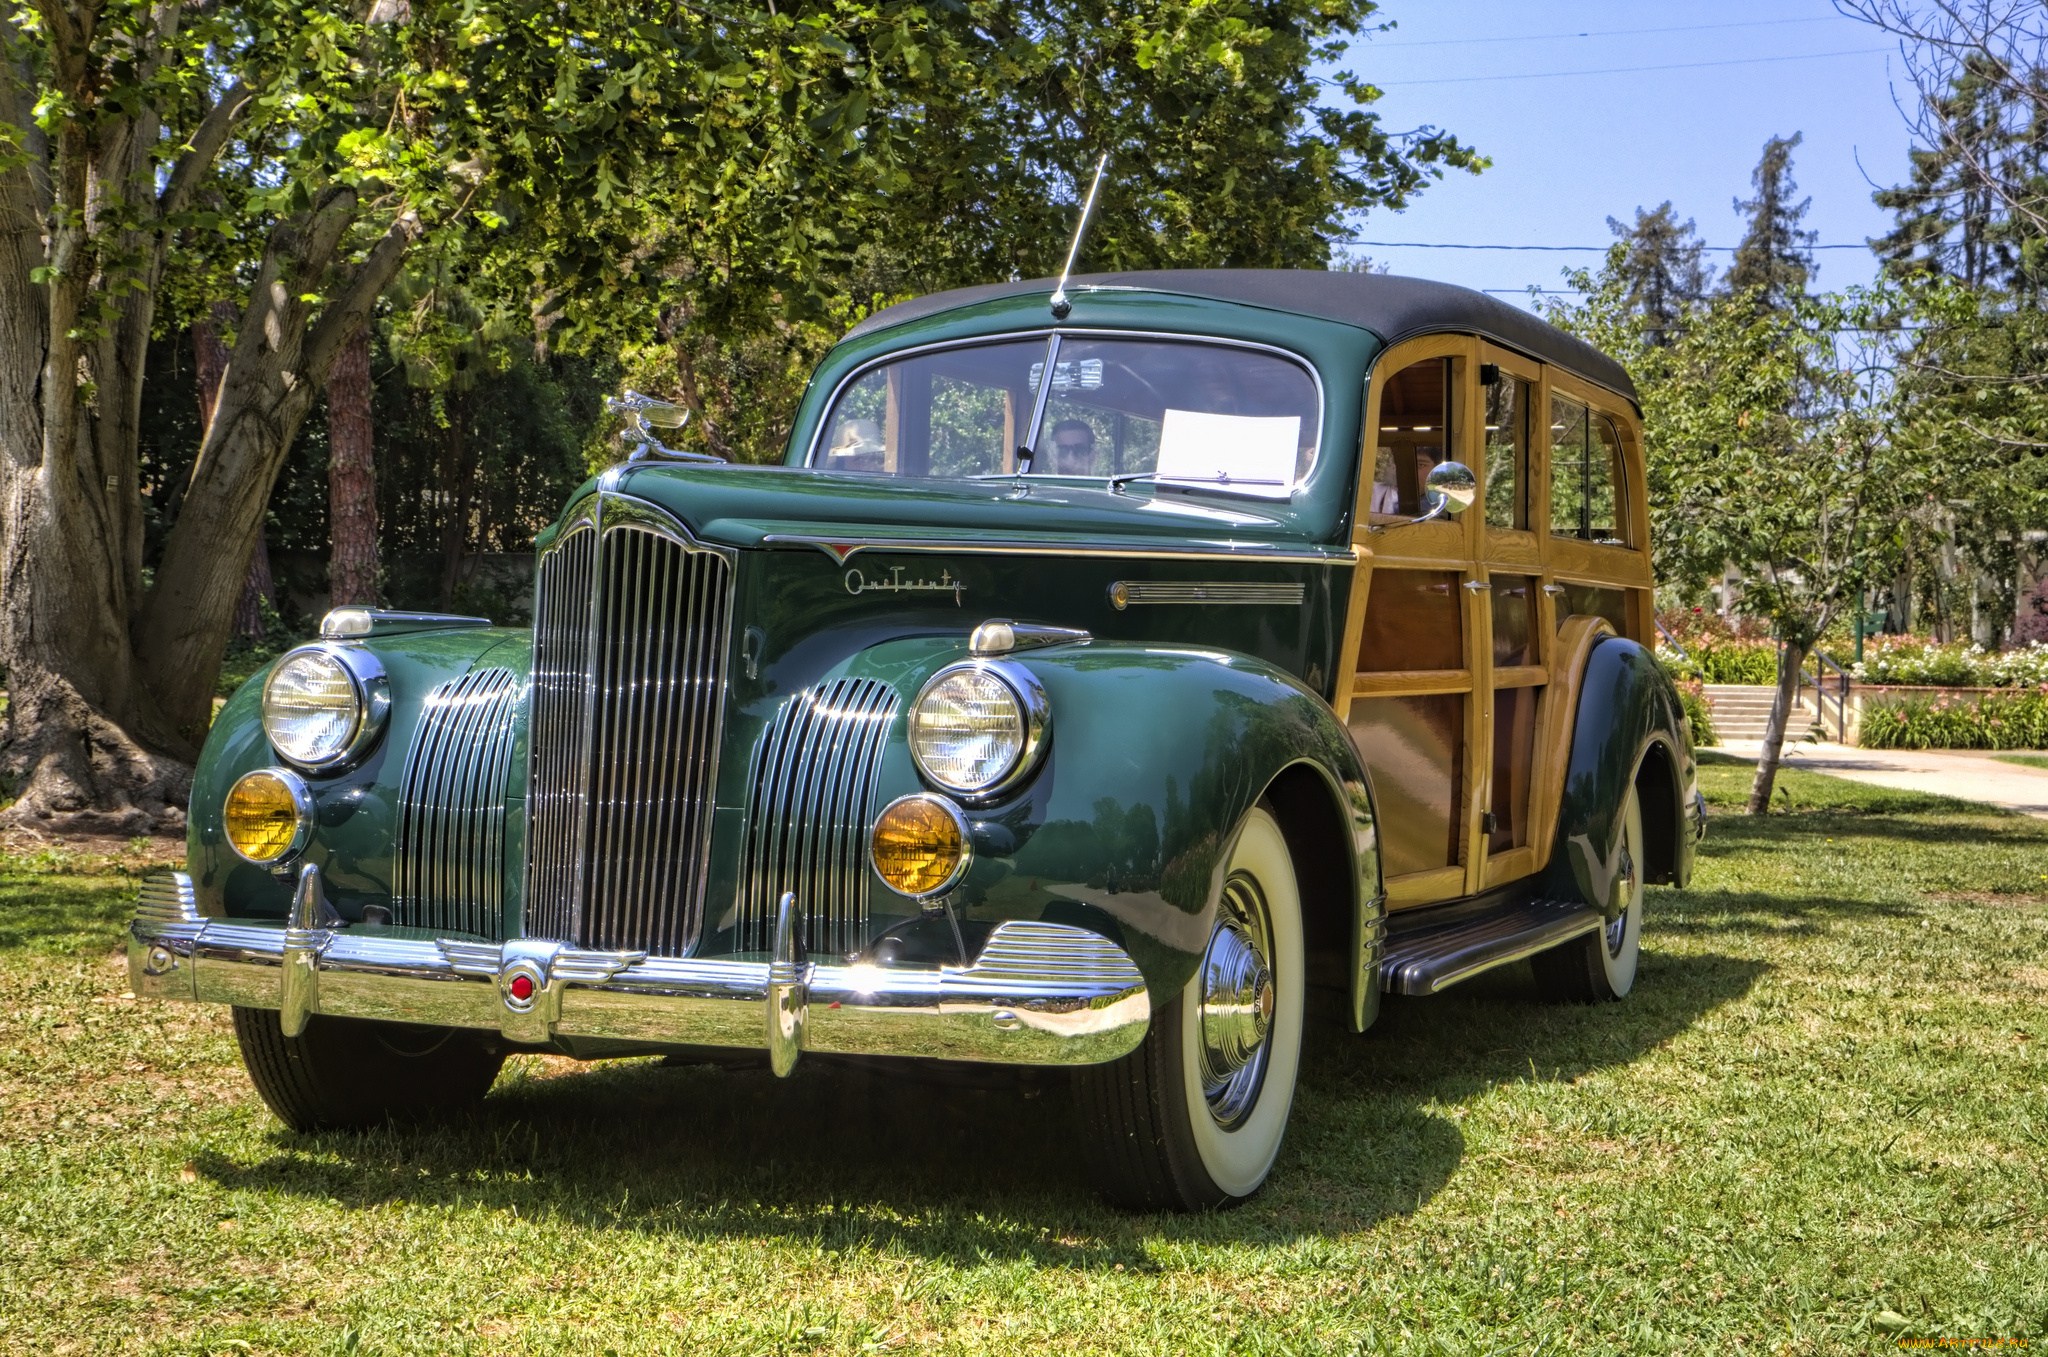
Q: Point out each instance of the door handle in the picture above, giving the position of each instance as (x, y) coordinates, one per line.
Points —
(1554, 590)
(1477, 586)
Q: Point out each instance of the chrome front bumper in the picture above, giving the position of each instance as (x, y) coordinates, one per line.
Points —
(1039, 994)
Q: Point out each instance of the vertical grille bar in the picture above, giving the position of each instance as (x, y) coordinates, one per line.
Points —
(810, 798)
(561, 644)
(448, 871)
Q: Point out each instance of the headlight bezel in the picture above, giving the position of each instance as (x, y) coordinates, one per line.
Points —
(302, 804)
(372, 690)
(1033, 706)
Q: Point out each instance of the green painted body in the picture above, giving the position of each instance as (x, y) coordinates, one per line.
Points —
(1165, 730)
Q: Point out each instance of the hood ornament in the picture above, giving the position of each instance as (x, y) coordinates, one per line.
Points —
(643, 411)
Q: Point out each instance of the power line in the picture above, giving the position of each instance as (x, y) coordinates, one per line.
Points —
(1602, 33)
(1626, 70)
(1547, 249)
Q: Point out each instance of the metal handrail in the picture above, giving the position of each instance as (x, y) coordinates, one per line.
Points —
(1823, 662)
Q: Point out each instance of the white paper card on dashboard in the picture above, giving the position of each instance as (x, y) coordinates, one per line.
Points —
(1254, 451)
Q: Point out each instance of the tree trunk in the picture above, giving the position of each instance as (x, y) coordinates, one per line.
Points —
(210, 363)
(351, 477)
(456, 474)
(1790, 661)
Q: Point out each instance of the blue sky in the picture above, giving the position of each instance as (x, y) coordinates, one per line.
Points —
(1586, 141)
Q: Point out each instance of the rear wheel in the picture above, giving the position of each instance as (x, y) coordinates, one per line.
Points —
(350, 1072)
(1193, 1119)
(1601, 966)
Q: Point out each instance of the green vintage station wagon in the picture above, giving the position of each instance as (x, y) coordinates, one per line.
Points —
(1099, 674)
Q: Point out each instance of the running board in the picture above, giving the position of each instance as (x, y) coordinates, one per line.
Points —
(1425, 959)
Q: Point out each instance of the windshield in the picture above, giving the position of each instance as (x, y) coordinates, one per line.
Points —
(1170, 409)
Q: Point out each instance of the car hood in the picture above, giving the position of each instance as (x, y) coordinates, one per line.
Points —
(748, 506)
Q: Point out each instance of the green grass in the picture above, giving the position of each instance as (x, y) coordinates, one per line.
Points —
(1819, 1125)
(2023, 760)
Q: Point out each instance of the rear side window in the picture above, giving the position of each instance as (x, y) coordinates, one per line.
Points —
(1169, 409)
(1588, 475)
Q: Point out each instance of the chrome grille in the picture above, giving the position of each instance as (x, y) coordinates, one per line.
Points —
(449, 868)
(630, 626)
(808, 807)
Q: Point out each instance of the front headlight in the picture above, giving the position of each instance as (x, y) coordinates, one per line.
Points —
(323, 705)
(979, 727)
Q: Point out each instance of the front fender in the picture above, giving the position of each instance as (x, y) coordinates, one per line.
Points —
(1156, 754)
(1630, 728)
(355, 825)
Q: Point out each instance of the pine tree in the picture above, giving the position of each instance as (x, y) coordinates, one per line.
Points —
(1955, 217)
(1661, 268)
(1775, 256)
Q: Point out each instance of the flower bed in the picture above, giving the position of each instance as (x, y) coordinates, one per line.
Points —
(2008, 719)
(1692, 696)
(1919, 662)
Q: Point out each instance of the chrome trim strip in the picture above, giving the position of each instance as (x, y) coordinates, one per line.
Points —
(1125, 593)
(1084, 332)
(843, 549)
(1040, 993)
(448, 869)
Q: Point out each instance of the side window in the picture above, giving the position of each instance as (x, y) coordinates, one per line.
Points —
(1588, 475)
(1567, 467)
(1607, 490)
(1507, 451)
(1414, 433)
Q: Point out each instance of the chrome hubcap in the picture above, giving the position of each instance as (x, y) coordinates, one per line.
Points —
(1617, 932)
(1237, 1002)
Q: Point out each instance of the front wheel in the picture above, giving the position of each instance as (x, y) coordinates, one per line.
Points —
(351, 1072)
(1601, 967)
(1193, 1119)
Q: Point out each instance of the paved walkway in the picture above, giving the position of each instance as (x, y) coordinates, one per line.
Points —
(1970, 774)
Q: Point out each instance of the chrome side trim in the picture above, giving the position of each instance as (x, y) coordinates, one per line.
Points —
(809, 804)
(448, 869)
(1127, 593)
(843, 549)
(1041, 993)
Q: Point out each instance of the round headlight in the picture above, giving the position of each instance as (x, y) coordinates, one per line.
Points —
(268, 815)
(323, 705)
(920, 846)
(977, 728)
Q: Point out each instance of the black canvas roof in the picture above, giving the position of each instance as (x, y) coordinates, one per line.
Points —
(1392, 308)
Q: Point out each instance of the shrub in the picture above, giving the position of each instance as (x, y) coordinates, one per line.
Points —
(1692, 696)
(1916, 661)
(2016, 720)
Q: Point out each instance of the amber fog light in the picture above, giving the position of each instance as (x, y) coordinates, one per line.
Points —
(268, 815)
(920, 846)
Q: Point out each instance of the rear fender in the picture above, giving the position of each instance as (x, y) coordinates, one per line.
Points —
(1630, 727)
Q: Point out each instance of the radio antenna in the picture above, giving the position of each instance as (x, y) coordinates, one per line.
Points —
(1060, 305)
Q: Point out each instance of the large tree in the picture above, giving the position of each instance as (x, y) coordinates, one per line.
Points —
(328, 144)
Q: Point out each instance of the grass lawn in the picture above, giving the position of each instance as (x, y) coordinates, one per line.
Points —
(1819, 1125)
(2023, 760)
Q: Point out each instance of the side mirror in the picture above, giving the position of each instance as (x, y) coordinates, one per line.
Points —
(1450, 489)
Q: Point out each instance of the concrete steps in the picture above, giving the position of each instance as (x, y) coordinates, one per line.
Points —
(1742, 710)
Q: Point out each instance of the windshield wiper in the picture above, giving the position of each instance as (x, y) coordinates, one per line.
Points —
(1117, 483)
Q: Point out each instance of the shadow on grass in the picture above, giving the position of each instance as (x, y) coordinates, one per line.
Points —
(849, 1156)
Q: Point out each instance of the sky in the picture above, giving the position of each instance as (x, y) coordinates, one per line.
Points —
(1577, 134)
